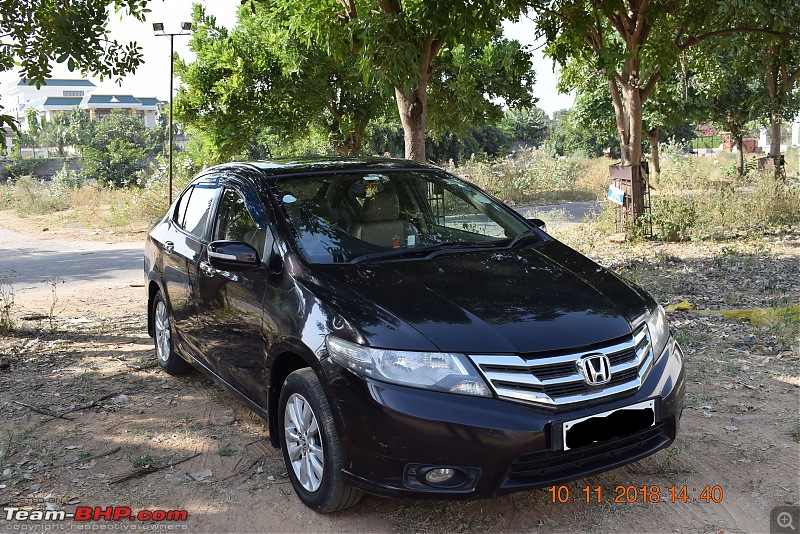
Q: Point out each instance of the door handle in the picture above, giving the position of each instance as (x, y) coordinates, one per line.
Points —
(207, 269)
(169, 247)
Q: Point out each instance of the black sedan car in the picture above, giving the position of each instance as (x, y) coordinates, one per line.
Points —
(404, 333)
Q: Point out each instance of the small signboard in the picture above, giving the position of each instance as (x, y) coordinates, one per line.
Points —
(616, 195)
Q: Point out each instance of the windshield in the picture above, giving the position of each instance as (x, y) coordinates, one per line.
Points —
(345, 217)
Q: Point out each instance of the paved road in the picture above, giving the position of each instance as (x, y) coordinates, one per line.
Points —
(553, 214)
(30, 264)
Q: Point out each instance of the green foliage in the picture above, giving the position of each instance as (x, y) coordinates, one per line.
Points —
(411, 45)
(526, 123)
(635, 45)
(6, 307)
(57, 133)
(570, 137)
(28, 166)
(698, 200)
(386, 137)
(524, 178)
(65, 181)
(470, 80)
(38, 34)
(117, 149)
(260, 81)
(29, 196)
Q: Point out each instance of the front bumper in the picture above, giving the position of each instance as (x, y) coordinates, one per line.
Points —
(386, 429)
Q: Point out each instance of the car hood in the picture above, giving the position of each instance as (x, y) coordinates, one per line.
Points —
(526, 299)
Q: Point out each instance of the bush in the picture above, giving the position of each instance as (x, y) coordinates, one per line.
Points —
(117, 150)
(18, 168)
(64, 181)
(29, 196)
(724, 212)
(529, 176)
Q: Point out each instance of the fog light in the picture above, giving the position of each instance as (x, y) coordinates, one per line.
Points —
(439, 476)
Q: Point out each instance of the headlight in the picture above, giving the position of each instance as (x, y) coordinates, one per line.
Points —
(659, 331)
(439, 371)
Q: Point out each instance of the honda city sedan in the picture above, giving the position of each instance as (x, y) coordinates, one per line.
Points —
(404, 333)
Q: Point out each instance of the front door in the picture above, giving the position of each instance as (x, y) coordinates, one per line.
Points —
(229, 304)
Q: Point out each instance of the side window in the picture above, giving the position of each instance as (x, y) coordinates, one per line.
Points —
(234, 222)
(194, 207)
(180, 209)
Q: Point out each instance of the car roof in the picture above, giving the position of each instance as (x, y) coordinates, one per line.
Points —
(282, 167)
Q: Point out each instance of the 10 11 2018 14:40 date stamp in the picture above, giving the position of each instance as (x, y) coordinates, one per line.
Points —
(637, 494)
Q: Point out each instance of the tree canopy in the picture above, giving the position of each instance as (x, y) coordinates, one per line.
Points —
(633, 44)
(257, 77)
(37, 33)
(413, 45)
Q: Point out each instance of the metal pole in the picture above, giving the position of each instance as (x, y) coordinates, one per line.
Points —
(171, 77)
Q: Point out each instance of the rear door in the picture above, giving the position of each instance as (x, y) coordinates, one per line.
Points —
(190, 228)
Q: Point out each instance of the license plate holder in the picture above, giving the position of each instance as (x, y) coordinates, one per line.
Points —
(619, 422)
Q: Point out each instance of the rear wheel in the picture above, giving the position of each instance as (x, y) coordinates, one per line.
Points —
(310, 443)
(162, 329)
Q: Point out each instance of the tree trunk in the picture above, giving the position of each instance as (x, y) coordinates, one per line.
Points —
(775, 134)
(354, 141)
(653, 134)
(413, 108)
(628, 111)
(739, 154)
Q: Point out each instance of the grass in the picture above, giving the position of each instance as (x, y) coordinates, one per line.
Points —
(6, 304)
(10, 444)
(226, 452)
(144, 461)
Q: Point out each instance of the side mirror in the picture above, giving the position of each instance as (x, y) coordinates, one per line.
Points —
(540, 224)
(232, 256)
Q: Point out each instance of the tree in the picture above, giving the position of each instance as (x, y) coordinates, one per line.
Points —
(634, 43)
(258, 77)
(117, 148)
(413, 45)
(570, 135)
(782, 62)
(37, 33)
(57, 133)
(729, 91)
(31, 135)
(526, 124)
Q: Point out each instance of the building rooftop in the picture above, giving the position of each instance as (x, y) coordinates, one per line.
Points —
(110, 99)
(58, 82)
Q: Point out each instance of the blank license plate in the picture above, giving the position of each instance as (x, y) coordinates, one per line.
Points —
(609, 425)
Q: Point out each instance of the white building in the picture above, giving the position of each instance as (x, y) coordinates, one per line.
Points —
(59, 96)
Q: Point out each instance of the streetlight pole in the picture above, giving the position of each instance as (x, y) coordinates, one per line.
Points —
(158, 29)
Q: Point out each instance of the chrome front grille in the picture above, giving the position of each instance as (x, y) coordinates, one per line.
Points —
(556, 380)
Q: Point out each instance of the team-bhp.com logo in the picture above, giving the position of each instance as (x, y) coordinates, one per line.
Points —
(88, 513)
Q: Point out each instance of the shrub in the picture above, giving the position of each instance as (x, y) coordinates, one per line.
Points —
(529, 176)
(64, 181)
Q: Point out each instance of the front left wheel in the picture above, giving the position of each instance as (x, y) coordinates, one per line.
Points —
(162, 330)
(311, 448)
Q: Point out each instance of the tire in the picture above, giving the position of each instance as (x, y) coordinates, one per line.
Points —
(311, 448)
(162, 337)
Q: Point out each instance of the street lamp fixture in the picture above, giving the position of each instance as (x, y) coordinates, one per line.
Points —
(158, 29)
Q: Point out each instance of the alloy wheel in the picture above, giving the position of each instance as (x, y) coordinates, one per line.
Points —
(304, 442)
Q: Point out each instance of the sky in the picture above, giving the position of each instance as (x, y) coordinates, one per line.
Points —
(152, 78)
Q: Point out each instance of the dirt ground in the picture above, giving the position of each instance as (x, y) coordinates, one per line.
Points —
(83, 403)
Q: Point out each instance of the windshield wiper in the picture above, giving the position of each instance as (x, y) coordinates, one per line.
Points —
(404, 252)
